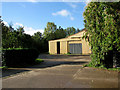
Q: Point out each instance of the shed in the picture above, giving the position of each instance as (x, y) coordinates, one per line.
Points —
(73, 44)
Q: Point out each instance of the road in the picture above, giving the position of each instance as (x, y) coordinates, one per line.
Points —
(60, 71)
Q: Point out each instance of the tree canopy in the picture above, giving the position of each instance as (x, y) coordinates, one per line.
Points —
(17, 38)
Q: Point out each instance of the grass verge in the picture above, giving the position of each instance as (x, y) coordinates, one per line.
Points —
(101, 67)
(37, 61)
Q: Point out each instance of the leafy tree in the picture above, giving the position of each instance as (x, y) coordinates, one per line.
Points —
(49, 31)
(37, 36)
(37, 39)
(60, 33)
(78, 30)
(8, 39)
(16, 38)
(20, 30)
(70, 30)
(102, 21)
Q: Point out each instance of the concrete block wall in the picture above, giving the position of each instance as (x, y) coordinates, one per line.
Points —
(52, 47)
(63, 47)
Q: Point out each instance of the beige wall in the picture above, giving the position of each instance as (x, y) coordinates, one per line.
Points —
(52, 47)
(85, 47)
(70, 42)
(63, 47)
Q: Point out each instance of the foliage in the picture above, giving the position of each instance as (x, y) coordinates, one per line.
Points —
(16, 38)
(102, 21)
(38, 60)
(51, 32)
(70, 30)
(17, 57)
(68, 53)
(60, 33)
(102, 67)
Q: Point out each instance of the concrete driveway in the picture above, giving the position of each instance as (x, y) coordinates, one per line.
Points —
(60, 71)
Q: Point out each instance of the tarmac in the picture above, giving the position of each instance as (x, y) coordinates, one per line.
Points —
(60, 71)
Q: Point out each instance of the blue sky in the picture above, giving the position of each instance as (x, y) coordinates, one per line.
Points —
(35, 15)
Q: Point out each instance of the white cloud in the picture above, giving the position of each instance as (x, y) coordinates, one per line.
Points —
(18, 24)
(28, 30)
(32, 1)
(31, 31)
(5, 23)
(64, 13)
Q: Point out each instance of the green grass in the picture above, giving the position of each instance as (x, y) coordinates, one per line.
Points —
(3, 67)
(102, 67)
(114, 69)
(13, 48)
(38, 60)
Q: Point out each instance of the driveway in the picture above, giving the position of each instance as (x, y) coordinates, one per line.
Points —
(60, 71)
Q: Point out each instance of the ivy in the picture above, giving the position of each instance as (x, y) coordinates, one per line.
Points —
(102, 21)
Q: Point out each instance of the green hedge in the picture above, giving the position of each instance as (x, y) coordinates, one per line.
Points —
(17, 57)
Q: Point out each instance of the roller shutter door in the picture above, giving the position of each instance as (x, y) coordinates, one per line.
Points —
(75, 48)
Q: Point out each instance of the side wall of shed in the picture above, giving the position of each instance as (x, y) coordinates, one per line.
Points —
(52, 47)
(63, 47)
(86, 49)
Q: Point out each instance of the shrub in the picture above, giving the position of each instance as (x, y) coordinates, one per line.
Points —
(17, 57)
(68, 53)
(102, 23)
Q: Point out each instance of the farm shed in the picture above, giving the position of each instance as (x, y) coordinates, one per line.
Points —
(73, 44)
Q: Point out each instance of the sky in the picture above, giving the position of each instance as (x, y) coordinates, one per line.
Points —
(35, 15)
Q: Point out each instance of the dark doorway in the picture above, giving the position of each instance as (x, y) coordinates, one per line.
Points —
(58, 47)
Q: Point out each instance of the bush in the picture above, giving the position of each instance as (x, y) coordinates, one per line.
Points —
(17, 57)
(102, 23)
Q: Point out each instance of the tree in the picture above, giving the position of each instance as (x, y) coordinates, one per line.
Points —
(60, 33)
(37, 39)
(102, 21)
(8, 39)
(20, 30)
(70, 30)
(49, 31)
(78, 30)
(12, 38)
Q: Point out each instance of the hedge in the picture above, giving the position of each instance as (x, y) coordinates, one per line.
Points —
(17, 57)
